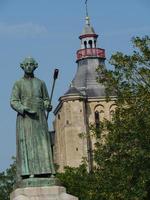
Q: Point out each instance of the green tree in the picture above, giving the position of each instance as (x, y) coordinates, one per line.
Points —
(80, 183)
(122, 169)
(7, 180)
(124, 160)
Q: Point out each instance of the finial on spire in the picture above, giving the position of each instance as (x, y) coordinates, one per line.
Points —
(87, 15)
(86, 3)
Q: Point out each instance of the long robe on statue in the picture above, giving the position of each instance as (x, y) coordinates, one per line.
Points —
(34, 154)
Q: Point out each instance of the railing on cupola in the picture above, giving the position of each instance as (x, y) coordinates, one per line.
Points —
(90, 52)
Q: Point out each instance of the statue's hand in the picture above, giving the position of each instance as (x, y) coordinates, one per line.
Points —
(49, 108)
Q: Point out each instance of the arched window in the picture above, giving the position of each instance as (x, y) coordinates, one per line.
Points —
(97, 120)
(85, 44)
(90, 43)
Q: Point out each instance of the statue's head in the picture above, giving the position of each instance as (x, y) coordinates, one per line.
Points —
(29, 64)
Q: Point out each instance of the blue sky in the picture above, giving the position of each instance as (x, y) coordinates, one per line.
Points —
(48, 30)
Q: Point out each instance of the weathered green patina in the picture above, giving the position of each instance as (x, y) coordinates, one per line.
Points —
(30, 99)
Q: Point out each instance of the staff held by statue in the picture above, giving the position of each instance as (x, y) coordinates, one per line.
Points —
(55, 76)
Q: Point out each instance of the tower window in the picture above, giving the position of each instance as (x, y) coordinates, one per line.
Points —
(97, 120)
(95, 43)
(90, 43)
(85, 44)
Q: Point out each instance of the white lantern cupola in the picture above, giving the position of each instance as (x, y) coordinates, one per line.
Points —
(88, 39)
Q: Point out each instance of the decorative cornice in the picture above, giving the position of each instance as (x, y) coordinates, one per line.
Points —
(88, 35)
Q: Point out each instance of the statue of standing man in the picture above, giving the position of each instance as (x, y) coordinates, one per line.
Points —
(30, 100)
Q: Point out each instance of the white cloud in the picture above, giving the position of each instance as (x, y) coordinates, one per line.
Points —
(22, 30)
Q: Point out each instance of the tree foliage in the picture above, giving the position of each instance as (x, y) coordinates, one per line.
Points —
(78, 182)
(7, 180)
(122, 169)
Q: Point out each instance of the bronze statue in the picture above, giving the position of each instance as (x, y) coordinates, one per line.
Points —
(30, 100)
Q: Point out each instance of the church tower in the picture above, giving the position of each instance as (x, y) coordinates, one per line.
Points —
(84, 103)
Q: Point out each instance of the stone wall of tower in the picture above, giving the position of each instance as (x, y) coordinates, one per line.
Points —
(70, 121)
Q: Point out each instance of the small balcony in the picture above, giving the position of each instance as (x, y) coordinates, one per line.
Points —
(90, 52)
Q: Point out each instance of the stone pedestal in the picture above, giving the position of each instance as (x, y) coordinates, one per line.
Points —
(41, 193)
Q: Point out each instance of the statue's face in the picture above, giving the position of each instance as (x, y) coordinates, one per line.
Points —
(29, 67)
